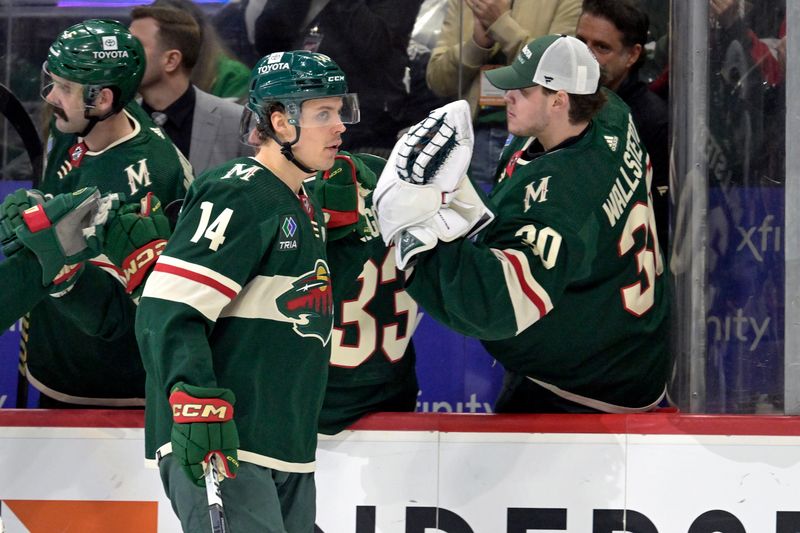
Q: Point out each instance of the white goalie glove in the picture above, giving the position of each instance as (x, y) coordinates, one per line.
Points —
(424, 194)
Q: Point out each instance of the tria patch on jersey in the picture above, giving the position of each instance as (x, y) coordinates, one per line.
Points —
(309, 303)
(289, 231)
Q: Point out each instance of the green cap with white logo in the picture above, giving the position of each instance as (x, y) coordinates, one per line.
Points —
(558, 62)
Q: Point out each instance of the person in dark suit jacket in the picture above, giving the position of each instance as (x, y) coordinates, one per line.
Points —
(205, 128)
(616, 32)
(368, 39)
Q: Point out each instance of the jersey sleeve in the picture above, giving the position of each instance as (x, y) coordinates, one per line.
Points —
(20, 285)
(497, 288)
(98, 304)
(346, 257)
(213, 252)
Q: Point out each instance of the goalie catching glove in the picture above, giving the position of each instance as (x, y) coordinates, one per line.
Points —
(203, 426)
(135, 236)
(424, 194)
(341, 192)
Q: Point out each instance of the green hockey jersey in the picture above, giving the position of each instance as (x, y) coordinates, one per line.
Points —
(241, 298)
(372, 356)
(20, 285)
(567, 285)
(81, 348)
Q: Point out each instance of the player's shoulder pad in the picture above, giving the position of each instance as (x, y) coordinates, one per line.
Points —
(245, 181)
(239, 172)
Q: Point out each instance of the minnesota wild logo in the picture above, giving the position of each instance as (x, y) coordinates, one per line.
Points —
(309, 303)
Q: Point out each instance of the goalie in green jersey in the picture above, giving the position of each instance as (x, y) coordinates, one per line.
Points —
(566, 287)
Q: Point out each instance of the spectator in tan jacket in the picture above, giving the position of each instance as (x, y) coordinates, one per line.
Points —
(492, 34)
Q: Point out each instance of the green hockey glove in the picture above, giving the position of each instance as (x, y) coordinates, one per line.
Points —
(341, 192)
(64, 231)
(11, 217)
(203, 425)
(134, 238)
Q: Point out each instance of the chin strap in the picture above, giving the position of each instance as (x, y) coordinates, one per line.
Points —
(93, 121)
(286, 150)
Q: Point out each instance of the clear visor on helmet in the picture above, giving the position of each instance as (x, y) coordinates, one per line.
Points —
(324, 112)
(247, 125)
(62, 93)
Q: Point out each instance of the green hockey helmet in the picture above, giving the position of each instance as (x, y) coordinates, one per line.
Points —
(98, 54)
(290, 78)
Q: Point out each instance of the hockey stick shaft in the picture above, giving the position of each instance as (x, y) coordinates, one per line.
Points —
(13, 110)
(215, 509)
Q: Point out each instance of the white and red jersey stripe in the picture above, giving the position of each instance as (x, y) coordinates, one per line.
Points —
(204, 289)
(528, 298)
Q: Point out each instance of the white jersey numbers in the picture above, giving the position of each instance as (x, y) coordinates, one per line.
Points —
(544, 242)
(354, 312)
(639, 297)
(215, 232)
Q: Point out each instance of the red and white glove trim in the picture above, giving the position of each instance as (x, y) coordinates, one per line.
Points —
(222, 461)
(136, 266)
(187, 409)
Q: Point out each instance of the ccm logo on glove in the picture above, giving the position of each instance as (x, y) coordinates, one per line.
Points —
(186, 409)
(136, 265)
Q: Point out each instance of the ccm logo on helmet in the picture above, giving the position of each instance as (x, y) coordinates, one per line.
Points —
(200, 410)
(335, 78)
(113, 54)
(263, 69)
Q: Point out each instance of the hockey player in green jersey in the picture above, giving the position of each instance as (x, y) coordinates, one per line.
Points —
(235, 320)
(566, 287)
(372, 357)
(79, 344)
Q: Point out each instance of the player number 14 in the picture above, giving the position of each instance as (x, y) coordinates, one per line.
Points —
(215, 232)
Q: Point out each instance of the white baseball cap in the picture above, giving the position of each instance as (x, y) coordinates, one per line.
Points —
(558, 62)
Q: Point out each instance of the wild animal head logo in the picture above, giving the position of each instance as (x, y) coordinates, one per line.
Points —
(309, 303)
